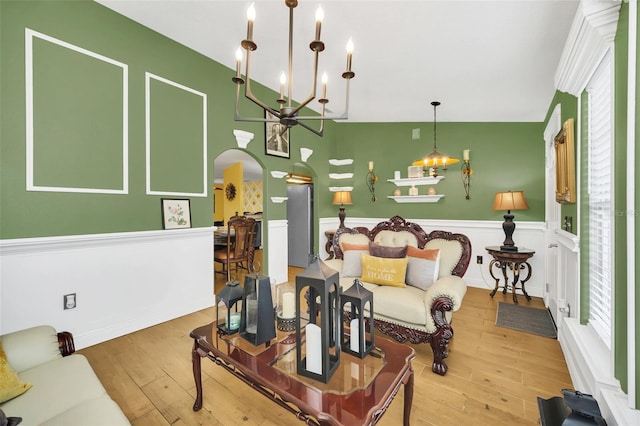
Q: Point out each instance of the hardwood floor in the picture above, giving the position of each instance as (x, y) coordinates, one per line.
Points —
(494, 377)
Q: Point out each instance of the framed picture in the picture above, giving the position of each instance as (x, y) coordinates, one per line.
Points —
(565, 164)
(176, 214)
(277, 140)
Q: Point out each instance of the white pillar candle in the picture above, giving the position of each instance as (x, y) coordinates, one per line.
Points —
(288, 305)
(465, 155)
(396, 174)
(354, 343)
(314, 348)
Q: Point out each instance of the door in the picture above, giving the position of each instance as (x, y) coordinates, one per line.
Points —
(552, 216)
(300, 224)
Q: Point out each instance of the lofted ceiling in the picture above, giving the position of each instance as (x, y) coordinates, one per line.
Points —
(485, 61)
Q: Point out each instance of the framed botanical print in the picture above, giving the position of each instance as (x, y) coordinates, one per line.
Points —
(277, 141)
(565, 164)
(176, 214)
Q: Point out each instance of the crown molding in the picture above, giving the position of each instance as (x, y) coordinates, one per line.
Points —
(591, 34)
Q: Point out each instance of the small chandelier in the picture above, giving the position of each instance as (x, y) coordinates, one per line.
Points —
(287, 113)
(432, 161)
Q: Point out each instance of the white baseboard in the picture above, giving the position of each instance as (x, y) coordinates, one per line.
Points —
(589, 365)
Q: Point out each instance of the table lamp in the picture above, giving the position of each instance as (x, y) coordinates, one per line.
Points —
(342, 198)
(510, 200)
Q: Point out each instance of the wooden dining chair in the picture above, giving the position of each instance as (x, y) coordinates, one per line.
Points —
(239, 247)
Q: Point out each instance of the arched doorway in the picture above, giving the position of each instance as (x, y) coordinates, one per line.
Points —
(238, 190)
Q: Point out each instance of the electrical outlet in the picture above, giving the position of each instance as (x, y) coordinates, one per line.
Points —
(479, 260)
(415, 134)
(70, 301)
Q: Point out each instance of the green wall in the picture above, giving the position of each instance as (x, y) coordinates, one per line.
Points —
(93, 27)
(504, 156)
(497, 149)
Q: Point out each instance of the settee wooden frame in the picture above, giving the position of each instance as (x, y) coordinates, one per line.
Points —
(439, 340)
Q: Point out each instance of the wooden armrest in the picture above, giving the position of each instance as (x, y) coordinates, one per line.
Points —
(65, 343)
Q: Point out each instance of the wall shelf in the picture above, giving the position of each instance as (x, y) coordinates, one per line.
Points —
(416, 198)
(416, 181)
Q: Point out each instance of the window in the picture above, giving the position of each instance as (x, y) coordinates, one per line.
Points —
(600, 189)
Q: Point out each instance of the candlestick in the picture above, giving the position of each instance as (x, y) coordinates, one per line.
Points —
(319, 17)
(238, 61)
(354, 342)
(324, 85)
(283, 80)
(251, 16)
(349, 53)
(314, 349)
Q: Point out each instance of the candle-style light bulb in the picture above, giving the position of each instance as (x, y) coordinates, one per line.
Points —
(238, 61)
(324, 85)
(251, 16)
(319, 18)
(349, 53)
(283, 81)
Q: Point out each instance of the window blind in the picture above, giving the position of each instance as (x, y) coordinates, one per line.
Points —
(600, 188)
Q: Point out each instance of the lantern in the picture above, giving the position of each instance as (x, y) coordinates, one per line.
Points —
(229, 296)
(257, 323)
(322, 344)
(360, 300)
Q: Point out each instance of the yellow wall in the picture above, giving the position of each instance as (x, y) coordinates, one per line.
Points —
(253, 196)
(233, 174)
(218, 202)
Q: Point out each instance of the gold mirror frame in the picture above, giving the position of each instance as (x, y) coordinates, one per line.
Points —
(565, 164)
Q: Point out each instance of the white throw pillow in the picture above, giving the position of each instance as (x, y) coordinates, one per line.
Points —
(423, 267)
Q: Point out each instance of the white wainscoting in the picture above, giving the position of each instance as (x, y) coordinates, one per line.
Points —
(123, 281)
(278, 251)
(588, 359)
(481, 234)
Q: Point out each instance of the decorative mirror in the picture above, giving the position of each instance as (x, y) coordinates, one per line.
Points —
(565, 164)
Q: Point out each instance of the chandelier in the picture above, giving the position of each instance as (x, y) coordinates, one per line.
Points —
(287, 113)
(435, 159)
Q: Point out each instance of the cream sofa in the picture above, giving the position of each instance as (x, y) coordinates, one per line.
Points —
(65, 390)
(411, 313)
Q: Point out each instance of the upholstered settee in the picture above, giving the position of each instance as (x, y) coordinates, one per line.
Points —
(418, 305)
(58, 387)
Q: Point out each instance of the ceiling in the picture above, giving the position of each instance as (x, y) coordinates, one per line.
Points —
(485, 61)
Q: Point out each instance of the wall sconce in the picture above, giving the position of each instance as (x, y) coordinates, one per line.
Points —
(467, 171)
(321, 354)
(371, 181)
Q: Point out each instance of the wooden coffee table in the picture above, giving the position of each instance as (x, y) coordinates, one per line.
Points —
(358, 393)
